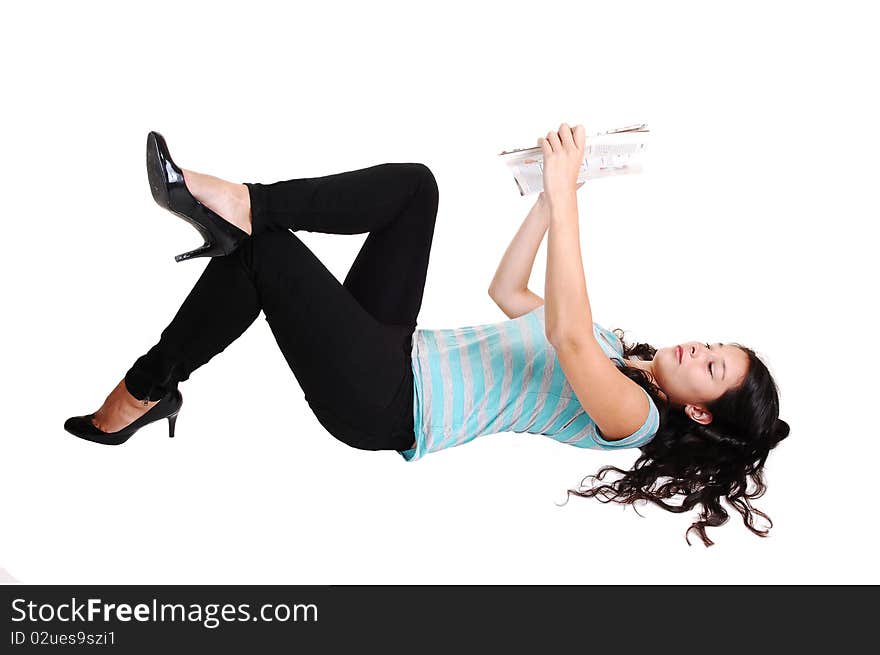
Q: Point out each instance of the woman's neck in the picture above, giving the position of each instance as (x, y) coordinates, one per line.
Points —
(647, 366)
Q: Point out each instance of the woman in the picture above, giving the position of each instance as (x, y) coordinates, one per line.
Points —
(705, 416)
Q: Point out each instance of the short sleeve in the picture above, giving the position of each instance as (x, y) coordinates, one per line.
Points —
(608, 341)
(638, 438)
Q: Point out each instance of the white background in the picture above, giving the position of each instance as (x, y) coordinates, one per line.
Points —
(755, 222)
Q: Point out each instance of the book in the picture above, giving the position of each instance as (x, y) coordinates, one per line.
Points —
(614, 152)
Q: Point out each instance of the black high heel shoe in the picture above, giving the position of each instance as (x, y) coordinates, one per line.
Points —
(169, 191)
(168, 407)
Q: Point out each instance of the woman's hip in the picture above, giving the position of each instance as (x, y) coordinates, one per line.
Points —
(361, 423)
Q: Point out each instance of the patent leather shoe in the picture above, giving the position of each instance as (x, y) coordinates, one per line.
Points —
(168, 407)
(170, 192)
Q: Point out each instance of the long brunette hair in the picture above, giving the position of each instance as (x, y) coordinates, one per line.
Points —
(701, 463)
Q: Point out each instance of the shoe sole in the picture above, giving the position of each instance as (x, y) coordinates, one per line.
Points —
(155, 173)
(159, 186)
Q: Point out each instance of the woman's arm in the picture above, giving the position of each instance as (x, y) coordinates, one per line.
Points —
(509, 287)
(568, 316)
(617, 405)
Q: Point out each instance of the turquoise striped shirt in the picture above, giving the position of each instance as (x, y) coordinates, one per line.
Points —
(503, 377)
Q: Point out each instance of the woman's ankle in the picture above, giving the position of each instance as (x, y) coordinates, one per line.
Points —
(243, 199)
(230, 201)
(130, 399)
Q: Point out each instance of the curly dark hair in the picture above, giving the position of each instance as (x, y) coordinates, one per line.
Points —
(702, 463)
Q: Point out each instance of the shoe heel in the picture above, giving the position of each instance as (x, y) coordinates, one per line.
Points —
(208, 249)
(171, 421)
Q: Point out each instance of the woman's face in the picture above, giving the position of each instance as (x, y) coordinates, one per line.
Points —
(696, 373)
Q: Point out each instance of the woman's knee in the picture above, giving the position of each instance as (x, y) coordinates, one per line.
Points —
(428, 183)
(268, 249)
(427, 193)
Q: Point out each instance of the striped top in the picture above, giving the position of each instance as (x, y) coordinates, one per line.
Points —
(503, 377)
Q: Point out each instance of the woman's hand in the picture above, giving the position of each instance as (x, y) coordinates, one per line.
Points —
(563, 155)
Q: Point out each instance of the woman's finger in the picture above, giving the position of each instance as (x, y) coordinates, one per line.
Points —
(553, 138)
(565, 136)
(545, 146)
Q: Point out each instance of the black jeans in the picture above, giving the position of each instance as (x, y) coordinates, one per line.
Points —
(347, 344)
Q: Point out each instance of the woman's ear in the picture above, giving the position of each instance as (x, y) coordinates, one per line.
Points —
(699, 414)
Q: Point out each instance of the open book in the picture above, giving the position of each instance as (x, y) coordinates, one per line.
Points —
(614, 152)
